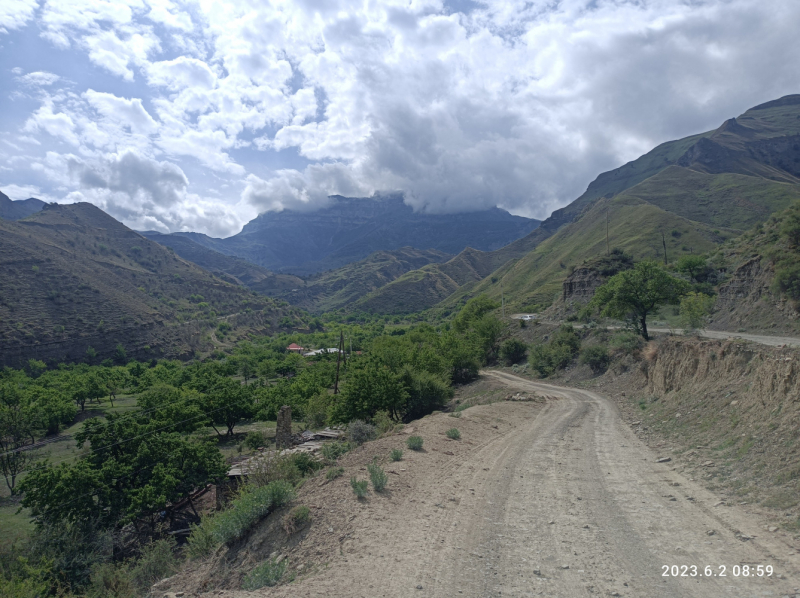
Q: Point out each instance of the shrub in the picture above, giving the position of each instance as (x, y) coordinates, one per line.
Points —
(453, 434)
(157, 561)
(377, 476)
(787, 281)
(250, 506)
(296, 518)
(316, 415)
(513, 351)
(268, 573)
(333, 473)
(414, 443)
(455, 414)
(694, 309)
(360, 432)
(305, 463)
(255, 440)
(333, 450)
(546, 359)
(271, 467)
(626, 342)
(383, 422)
(396, 455)
(360, 487)
(201, 541)
(596, 357)
(108, 579)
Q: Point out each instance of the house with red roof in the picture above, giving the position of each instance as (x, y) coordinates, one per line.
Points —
(295, 348)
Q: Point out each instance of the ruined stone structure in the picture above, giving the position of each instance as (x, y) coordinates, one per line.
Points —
(283, 431)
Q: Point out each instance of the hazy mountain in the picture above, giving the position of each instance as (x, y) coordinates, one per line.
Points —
(350, 229)
(16, 210)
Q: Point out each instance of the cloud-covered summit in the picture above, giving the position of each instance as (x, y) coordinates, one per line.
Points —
(198, 115)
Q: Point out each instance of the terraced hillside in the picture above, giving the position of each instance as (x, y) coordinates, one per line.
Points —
(77, 283)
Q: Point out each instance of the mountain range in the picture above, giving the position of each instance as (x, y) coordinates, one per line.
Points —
(350, 229)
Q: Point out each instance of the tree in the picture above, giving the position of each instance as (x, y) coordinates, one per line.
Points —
(17, 425)
(635, 294)
(228, 403)
(369, 389)
(513, 351)
(474, 310)
(694, 309)
(694, 266)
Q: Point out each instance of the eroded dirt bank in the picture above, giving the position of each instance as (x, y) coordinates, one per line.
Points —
(552, 498)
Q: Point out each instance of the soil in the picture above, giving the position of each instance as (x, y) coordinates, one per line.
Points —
(550, 494)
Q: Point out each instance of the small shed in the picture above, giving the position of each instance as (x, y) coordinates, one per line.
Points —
(295, 348)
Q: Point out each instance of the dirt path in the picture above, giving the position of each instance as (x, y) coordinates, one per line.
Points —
(556, 499)
(773, 341)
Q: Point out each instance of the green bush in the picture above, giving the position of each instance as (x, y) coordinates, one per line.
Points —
(626, 342)
(255, 440)
(787, 280)
(377, 476)
(156, 562)
(453, 434)
(396, 455)
(360, 487)
(383, 422)
(334, 472)
(414, 443)
(513, 351)
(333, 450)
(295, 518)
(596, 357)
(359, 432)
(305, 463)
(268, 573)
(248, 508)
(109, 580)
(694, 309)
(546, 359)
(201, 541)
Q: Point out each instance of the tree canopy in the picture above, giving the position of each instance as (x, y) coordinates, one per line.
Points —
(634, 294)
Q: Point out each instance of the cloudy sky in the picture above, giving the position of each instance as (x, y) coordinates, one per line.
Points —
(199, 115)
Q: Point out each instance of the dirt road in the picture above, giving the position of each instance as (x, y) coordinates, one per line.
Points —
(556, 499)
(575, 505)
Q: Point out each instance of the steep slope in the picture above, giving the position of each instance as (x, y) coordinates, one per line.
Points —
(350, 229)
(713, 185)
(750, 299)
(634, 226)
(229, 268)
(343, 287)
(16, 210)
(75, 278)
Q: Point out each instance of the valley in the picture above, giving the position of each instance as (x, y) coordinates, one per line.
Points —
(342, 402)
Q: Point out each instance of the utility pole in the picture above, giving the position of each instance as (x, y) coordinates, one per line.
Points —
(664, 242)
(338, 359)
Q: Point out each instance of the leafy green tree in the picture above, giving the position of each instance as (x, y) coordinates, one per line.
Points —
(134, 469)
(17, 425)
(694, 266)
(473, 311)
(120, 356)
(694, 309)
(369, 389)
(426, 392)
(635, 294)
(227, 403)
(36, 367)
(513, 351)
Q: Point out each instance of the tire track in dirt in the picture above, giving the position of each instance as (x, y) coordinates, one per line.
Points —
(574, 505)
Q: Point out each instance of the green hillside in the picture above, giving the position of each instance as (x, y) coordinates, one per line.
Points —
(634, 226)
(74, 279)
(725, 180)
(343, 287)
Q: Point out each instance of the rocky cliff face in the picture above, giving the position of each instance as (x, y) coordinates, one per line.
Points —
(745, 302)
